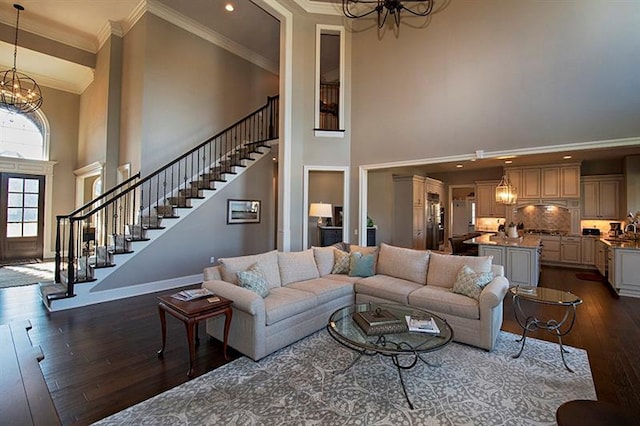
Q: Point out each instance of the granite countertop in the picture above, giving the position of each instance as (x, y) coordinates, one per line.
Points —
(527, 241)
(622, 243)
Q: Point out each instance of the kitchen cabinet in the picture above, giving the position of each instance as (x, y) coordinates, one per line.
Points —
(486, 205)
(624, 271)
(570, 248)
(409, 212)
(521, 264)
(550, 248)
(601, 197)
(549, 182)
(588, 250)
(601, 257)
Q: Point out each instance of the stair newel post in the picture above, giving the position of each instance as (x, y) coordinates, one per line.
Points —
(58, 258)
(71, 270)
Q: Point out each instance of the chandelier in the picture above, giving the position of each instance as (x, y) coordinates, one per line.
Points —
(351, 9)
(18, 92)
(505, 192)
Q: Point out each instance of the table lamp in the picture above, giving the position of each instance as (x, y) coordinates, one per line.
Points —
(321, 211)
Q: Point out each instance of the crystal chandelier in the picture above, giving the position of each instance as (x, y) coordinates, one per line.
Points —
(505, 192)
(352, 9)
(18, 92)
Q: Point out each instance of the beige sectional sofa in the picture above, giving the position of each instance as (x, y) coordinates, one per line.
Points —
(303, 292)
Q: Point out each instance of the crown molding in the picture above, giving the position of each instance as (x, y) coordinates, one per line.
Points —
(323, 8)
(110, 28)
(195, 28)
(82, 77)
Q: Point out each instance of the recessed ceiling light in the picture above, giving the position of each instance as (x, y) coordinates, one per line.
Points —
(229, 7)
(508, 161)
(566, 157)
(505, 157)
(459, 166)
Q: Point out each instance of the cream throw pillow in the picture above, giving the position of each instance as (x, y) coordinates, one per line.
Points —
(324, 259)
(471, 283)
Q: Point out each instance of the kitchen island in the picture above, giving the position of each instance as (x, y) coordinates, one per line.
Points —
(520, 257)
(624, 265)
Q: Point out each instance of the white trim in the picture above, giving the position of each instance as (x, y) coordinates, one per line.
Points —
(324, 8)
(94, 169)
(124, 173)
(40, 168)
(194, 27)
(362, 203)
(345, 201)
(286, 95)
(110, 28)
(330, 29)
(328, 134)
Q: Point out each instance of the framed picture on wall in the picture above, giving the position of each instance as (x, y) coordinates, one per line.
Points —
(243, 211)
(337, 216)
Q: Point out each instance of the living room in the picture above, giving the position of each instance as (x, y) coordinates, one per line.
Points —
(499, 77)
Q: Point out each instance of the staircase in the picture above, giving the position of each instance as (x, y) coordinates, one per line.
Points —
(99, 237)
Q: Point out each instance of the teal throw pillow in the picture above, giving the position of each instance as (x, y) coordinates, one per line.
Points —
(361, 265)
(470, 283)
(254, 279)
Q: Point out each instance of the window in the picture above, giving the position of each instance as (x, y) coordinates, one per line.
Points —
(329, 109)
(21, 136)
(22, 207)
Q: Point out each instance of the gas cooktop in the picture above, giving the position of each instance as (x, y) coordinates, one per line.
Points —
(545, 231)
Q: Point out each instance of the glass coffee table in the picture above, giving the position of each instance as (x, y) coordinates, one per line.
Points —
(547, 296)
(408, 346)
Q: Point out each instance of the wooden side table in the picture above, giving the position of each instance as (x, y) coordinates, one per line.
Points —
(190, 313)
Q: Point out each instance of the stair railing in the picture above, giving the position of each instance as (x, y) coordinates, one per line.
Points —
(89, 237)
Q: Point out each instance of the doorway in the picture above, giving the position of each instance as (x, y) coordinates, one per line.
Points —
(463, 210)
(21, 216)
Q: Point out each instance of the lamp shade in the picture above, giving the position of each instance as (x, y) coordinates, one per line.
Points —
(320, 210)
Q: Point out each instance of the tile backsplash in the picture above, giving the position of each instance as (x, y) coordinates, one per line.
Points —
(543, 217)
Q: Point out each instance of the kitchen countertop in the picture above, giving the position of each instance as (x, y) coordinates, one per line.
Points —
(622, 243)
(528, 241)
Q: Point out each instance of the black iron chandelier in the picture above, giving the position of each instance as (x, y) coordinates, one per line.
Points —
(18, 92)
(353, 10)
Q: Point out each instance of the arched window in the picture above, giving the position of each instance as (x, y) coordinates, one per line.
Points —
(22, 136)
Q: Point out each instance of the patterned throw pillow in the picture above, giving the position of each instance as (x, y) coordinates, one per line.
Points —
(471, 283)
(340, 262)
(361, 265)
(254, 279)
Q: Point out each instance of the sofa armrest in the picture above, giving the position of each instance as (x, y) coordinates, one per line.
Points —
(493, 294)
(243, 299)
(212, 273)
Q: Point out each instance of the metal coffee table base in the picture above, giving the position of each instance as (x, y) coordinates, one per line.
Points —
(395, 359)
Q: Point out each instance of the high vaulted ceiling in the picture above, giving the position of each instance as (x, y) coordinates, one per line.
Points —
(85, 24)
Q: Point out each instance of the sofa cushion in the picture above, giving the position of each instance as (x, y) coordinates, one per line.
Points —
(470, 283)
(443, 268)
(385, 287)
(342, 277)
(325, 289)
(297, 266)
(361, 265)
(268, 262)
(340, 262)
(285, 302)
(443, 301)
(324, 259)
(404, 263)
(254, 279)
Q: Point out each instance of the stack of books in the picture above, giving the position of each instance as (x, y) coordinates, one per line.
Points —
(378, 322)
(422, 325)
(187, 295)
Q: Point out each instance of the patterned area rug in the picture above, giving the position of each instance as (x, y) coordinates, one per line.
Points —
(25, 274)
(305, 384)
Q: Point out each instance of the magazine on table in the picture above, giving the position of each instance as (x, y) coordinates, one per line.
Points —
(187, 295)
(422, 325)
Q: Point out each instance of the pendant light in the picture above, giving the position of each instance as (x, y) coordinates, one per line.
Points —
(505, 192)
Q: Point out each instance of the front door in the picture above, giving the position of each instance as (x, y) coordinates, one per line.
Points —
(21, 216)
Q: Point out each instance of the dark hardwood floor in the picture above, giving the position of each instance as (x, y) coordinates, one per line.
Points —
(102, 358)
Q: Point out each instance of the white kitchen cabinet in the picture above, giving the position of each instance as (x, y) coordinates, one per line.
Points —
(611, 267)
(625, 275)
(521, 265)
(486, 205)
(550, 185)
(530, 184)
(409, 205)
(549, 182)
(550, 248)
(602, 257)
(570, 248)
(570, 181)
(588, 250)
(601, 197)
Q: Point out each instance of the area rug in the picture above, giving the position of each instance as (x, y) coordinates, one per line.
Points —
(25, 274)
(304, 384)
(589, 276)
